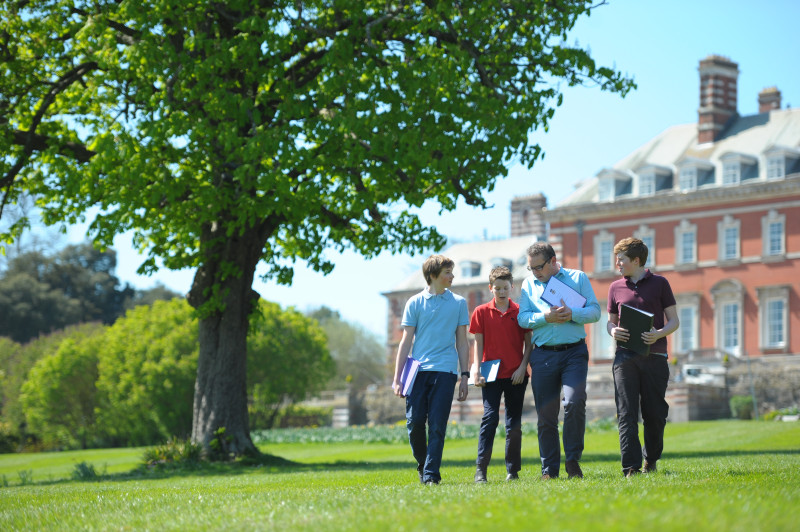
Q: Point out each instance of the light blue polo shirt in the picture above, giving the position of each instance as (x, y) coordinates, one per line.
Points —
(435, 319)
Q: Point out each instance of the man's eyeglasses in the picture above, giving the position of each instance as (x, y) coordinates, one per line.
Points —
(539, 267)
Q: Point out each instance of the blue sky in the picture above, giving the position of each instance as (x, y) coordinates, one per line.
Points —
(659, 43)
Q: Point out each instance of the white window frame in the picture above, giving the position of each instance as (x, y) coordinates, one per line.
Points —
(768, 222)
(606, 188)
(688, 178)
(648, 236)
(776, 167)
(728, 298)
(604, 347)
(603, 262)
(687, 337)
(647, 184)
(685, 229)
(731, 173)
(729, 239)
(767, 297)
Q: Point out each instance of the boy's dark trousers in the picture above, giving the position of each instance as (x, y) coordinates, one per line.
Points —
(514, 401)
(429, 402)
(640, 379)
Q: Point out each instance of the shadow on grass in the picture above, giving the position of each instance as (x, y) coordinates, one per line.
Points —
(271, 464)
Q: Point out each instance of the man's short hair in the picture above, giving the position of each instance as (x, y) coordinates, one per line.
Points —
(434, 265)
(633, 248)
(541, 248)
(500, 273)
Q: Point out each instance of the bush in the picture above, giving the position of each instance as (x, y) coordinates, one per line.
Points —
(295, 416)
(741, 407)
(173, 453)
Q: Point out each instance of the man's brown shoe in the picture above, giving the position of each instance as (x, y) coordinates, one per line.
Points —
(632, 472)
(546, 477)
(649, 467)
(573, 469)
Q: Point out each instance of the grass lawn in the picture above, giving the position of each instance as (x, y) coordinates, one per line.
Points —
(722, 475)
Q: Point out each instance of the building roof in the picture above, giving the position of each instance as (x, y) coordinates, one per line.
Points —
(485, 254)
(751, 137)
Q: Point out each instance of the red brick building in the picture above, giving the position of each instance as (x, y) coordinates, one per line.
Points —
(718, 204)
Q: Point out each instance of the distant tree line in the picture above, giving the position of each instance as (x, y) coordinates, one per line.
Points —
(86, 362)
(41, 293)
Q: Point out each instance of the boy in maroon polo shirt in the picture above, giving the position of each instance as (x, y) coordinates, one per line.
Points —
(640, 379)
(498, 336)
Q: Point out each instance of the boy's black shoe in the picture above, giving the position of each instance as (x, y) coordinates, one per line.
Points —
(573, 469)
(419, 470)
(649, 467)
(512, 476)
(480, 474)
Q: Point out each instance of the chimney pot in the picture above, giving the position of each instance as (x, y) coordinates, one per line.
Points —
(769, 99)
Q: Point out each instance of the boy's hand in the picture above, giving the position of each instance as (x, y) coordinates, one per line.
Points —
(477, 378)
(397, 388)
(519, 375)
(463, 389)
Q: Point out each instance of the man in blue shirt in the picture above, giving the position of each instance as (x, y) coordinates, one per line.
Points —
(435, 333)
(560, 358)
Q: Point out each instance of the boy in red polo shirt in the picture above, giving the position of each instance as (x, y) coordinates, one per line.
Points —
(498, 336)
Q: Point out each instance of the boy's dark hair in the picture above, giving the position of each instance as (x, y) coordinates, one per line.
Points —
(541, 248)
(502, 273)
(434, 265)
(633, 248)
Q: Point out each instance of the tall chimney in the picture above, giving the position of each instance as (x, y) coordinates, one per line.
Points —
(718, 76)
(527, 215)
(769, 99)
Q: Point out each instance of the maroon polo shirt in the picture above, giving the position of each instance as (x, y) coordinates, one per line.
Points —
(652, 294)
(503, 338)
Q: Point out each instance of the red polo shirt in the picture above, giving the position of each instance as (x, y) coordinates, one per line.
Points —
(503, 338)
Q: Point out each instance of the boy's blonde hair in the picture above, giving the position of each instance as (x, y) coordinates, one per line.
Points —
(434, 265)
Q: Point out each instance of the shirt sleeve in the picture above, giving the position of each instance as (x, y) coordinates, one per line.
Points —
(463, 313)
(528, 317)
(476, 321)
(590, 312)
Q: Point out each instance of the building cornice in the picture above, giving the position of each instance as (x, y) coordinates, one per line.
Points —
(675, 200)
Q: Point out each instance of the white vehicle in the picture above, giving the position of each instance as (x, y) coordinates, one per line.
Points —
(711, 375)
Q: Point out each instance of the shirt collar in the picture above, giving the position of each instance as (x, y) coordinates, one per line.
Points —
(427, 295)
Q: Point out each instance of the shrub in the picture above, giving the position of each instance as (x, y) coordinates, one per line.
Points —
(741, 407)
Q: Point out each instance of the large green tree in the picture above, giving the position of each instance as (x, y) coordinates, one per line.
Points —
(225, 134)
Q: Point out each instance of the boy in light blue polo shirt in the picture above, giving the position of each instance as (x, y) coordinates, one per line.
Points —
(435, 333)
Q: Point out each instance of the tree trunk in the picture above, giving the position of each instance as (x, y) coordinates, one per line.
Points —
(220, 391)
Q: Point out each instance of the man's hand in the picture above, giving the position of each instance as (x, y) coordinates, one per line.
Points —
(560, 314)
(397, 388)
(463, 389)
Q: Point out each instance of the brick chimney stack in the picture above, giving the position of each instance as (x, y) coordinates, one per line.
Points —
(718, 77)
(769, 99)
(527, 216)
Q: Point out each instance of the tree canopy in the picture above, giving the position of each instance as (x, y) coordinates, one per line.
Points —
(228, 134)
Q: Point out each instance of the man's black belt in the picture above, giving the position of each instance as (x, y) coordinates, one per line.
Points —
(561, 347)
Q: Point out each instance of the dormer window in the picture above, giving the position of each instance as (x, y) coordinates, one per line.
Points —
(653, 179)
(612, 184)
(499, 261)
(738, 167)
(470, 269)
(782, 161)
(695, 173)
